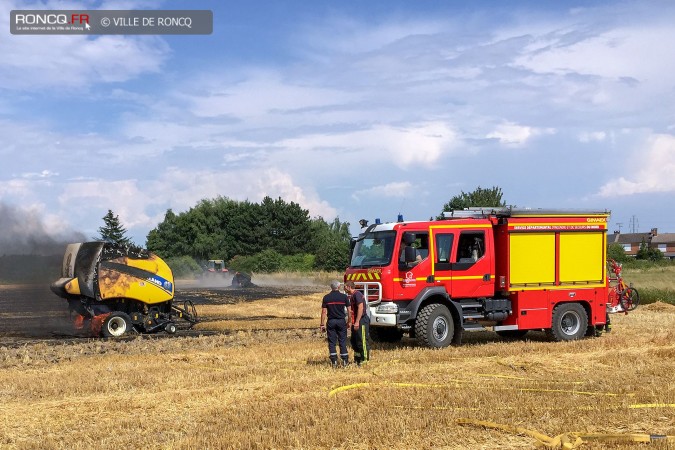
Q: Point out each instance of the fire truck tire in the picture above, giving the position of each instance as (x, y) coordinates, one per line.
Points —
(117, 324)
(569, 322)
(434, 326)
(512, 334)
(385, 334)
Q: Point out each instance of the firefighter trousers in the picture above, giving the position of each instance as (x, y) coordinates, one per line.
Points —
(360, 342)
(336, 330)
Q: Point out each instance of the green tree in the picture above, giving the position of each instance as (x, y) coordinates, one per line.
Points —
(165, 239)
(616, 252)
(284, 227)
(330, 244)
(648, 253)
(221, 228)
(113, 231)
(478, 197)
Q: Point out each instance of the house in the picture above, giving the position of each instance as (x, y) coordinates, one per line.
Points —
(631, 242)
(665, 242)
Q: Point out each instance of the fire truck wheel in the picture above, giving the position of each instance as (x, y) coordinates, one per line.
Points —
(512, 334)
(385, 334)
(569, 323)
(116, 324)
(434, 326)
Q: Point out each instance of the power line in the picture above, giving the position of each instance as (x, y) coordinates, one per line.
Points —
(634, 224)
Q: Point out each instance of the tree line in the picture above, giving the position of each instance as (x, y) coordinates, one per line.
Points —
(222, 228)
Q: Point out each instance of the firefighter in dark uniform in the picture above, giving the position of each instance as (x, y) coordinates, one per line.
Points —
(360, 323)
(334, 321)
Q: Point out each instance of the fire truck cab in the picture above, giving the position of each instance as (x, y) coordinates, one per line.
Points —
(505, 269)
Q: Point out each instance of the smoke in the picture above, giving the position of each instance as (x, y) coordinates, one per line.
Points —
(24, 232)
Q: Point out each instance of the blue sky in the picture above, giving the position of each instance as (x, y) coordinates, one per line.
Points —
(351, 109)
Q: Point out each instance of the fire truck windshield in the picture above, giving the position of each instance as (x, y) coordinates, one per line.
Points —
(374, 249)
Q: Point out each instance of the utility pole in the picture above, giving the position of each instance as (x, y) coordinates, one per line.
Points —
(634, 224)
(619, 224)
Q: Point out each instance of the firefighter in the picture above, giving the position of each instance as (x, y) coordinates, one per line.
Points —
(360, 323)
(335, 321)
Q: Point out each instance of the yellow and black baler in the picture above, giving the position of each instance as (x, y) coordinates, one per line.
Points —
(114, 290)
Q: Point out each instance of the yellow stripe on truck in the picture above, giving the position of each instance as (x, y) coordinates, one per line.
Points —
(362, 276)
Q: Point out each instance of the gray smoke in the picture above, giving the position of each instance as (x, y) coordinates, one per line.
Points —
(23, 232)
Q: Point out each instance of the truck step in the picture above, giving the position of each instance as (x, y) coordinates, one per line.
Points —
(471, 305)
(473, 326)
(474, 316)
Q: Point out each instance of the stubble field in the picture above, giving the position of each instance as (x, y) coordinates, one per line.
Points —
(254, 374)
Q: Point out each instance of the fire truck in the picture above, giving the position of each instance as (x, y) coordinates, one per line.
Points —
(503, 269)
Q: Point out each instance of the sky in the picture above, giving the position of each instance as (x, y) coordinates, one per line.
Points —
(351, 109)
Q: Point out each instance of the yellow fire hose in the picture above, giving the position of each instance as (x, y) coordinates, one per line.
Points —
(567, 441)
(423, 385)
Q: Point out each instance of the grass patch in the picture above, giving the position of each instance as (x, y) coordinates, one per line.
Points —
(653, 295)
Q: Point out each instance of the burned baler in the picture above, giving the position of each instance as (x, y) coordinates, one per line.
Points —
(113, 290)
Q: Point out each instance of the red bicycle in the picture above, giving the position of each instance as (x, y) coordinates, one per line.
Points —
(621, 294)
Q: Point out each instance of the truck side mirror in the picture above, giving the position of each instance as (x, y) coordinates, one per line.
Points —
(410, 254)
(409, 238)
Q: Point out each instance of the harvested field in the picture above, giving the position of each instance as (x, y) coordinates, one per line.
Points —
(257, 377)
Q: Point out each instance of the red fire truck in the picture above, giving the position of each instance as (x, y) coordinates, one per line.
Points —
(506, 269)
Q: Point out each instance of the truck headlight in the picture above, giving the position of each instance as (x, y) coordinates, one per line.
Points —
(387, 308)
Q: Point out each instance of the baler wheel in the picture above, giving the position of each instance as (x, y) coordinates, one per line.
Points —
(116, 324)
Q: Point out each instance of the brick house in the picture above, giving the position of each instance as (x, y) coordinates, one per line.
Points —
(665, 242)
(630, 242)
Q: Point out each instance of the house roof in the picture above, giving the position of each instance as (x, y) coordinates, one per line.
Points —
(630, 238)
(665, 238)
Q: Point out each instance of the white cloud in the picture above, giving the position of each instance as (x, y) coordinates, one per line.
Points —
(592, 136)
(653, 170)
(19, 190)
(125, 197)
(346, 35)
(396, 189)
(625, 52)
(38, 62)
(180, 190)
(514, 135)
(263, 93)
(43, 174)
(183, 189)
(406, 147)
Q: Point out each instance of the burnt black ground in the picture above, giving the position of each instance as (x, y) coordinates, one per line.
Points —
(32, 311)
